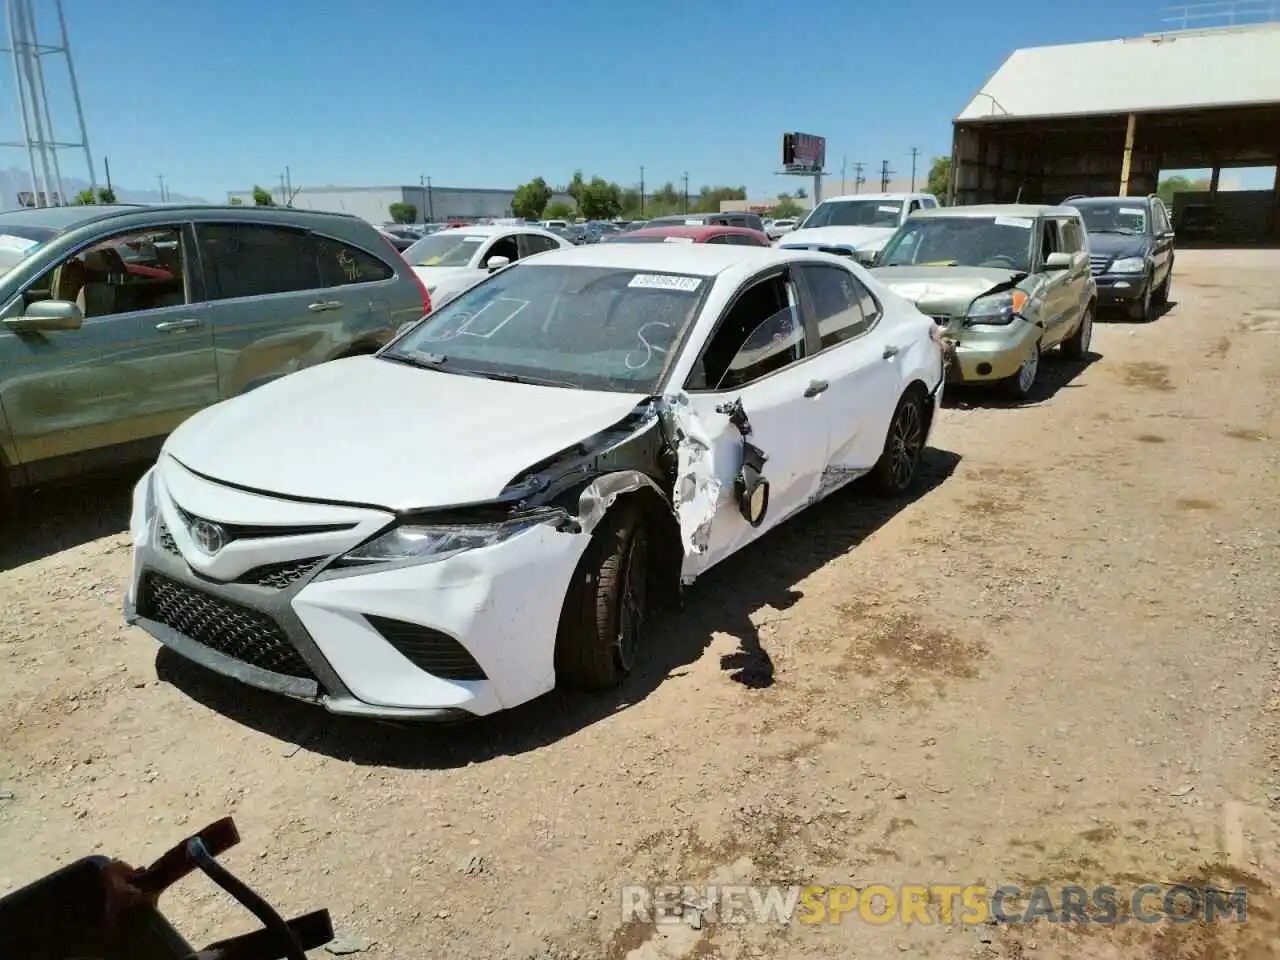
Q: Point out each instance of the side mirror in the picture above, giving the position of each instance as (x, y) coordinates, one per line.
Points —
(497, 263)
(48, 315)
(1057, 261)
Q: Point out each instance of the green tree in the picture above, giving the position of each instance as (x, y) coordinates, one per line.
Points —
(236, 202)
(262, 198)
(786, 207)
(802, 194)
(1167, 187)
(558, 211)
(531, 199)
(600, 200)
(666, 198)
(84, 198)
(631, 204)
(709, 199)
(576, 188)
(106, 195)
(403, 213)
(939, 177)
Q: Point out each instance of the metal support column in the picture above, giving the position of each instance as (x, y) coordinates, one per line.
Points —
(1127, 164)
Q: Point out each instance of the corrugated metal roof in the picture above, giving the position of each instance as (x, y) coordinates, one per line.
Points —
(1171, 71)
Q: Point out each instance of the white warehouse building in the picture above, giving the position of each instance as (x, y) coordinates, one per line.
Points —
(434, 204)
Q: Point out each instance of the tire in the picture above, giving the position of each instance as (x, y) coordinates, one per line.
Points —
(1020, 386)
(1141, 311)
(899, 463)
(1076, 346)
(1162, 295)
(602, 624)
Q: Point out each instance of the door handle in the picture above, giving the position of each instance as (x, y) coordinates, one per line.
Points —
(322, 305)
(889, 352)
(168, 326)
(815, 387)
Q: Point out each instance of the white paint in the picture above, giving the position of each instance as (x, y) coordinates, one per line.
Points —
(657, 281)
(1133, 211)
(1188, 70)
(888, 209)
(1021, 222)
(677, 239)
(21, 244)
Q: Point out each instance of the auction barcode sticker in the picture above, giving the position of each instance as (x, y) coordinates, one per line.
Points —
(677, 239)
(1131, 212)
(1022, 222)
(661, 281)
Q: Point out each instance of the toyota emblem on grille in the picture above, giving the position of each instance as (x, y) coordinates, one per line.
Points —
(209, 537)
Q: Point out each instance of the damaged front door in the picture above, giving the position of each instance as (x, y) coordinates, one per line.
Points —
(760, 394)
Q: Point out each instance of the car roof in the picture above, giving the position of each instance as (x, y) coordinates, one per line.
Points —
(703, 260)
(1074, 200)
(495, 229)
(694, 232)
(1000, 210)
(873, 196)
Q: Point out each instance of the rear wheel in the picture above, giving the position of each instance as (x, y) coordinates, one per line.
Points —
(899, 462)
(1076, 346)
(607, 606)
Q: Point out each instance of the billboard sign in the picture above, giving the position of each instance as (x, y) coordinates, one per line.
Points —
(803, 152)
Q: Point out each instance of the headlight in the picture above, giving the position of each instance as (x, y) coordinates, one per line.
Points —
(997, 308)
(431, 544)
(1129, 265)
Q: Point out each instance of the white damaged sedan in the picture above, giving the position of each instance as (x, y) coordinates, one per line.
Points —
(496, 501)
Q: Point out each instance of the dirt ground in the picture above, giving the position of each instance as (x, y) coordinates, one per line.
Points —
(1059, 664)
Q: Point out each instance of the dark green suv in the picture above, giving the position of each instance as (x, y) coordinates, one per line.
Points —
(118, 322)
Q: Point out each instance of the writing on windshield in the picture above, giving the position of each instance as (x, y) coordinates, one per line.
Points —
(601, 328)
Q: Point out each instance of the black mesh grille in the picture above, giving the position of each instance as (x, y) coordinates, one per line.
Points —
(167, 542)
(429, 650)
(229, 628)
(280, 575)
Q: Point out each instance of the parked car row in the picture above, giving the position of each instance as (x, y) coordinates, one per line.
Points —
(578, 430)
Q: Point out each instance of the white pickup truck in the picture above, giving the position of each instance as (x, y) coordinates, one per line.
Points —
(856, 226)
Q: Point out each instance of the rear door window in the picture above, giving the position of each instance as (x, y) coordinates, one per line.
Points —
(254, 260)
(342, 264)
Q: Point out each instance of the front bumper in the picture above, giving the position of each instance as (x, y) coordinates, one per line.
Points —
(466, 636)
(1118, 288)
(989, 353)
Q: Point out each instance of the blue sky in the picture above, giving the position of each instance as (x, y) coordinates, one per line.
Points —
(221, 94)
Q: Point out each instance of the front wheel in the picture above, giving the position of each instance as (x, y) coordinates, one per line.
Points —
(607, 605)
(899, 462)
(1141, 309)
(1019, 386)
(1162, 295)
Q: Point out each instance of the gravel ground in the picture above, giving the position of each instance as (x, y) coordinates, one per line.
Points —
(1057, 665)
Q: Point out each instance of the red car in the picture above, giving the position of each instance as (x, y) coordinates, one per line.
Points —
(682, 234)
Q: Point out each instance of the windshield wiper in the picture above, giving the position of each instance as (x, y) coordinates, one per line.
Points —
(428, 361)
(522, 378)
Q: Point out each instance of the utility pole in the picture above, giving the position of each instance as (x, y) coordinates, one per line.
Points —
(106, 162)
(431, 207)
(160, 178)
(642, 190)
(915, 152)
(884, 175)
(288, 180)
(685, 180)
(858, 178)
(843, 164)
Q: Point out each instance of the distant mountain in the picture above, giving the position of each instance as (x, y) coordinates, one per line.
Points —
(15, 180)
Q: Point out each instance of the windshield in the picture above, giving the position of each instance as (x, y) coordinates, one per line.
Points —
(1112, 216)
(1002, 242)
(595, 328)
(19, 242)
(449, 248)
(855, 213)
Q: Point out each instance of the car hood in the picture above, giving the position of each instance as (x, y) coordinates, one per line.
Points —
(1113, 246)
(860, 238)
(944, 291)
(371, 431)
